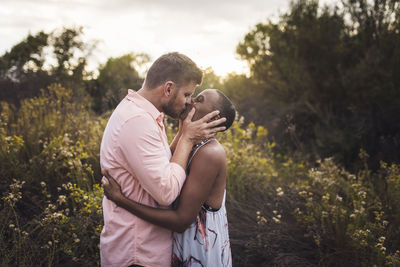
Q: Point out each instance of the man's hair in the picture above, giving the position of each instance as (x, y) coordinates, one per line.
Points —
(174, 67)
(226, 109)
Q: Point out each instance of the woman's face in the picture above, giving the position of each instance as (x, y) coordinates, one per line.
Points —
(204, 103)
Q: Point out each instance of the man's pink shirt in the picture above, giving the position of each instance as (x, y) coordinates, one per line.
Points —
(136, 153)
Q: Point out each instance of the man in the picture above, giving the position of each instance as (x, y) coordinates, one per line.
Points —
(135, 151)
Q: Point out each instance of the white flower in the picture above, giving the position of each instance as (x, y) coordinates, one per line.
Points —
(43, 184)
(279, 191)
(61, 199)
(276, 220)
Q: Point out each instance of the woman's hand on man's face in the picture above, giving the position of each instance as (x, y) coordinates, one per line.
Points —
(197, 131)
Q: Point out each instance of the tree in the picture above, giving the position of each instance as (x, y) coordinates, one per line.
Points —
(28, 66)
(115, 77)
(330, 76)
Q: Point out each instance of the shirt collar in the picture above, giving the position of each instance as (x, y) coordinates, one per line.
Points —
(146, 105)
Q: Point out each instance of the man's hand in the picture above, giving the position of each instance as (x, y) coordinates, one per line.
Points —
(197, 131)
(112, 190)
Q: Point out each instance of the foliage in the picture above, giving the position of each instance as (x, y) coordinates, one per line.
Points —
(64, 233)
(51, 202)
(328, 78)
(115, 77)
(282, 210)
(42, 59)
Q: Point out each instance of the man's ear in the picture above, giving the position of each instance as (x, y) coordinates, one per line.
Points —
(168, 88)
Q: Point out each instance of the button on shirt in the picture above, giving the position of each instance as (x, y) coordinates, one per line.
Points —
(136, 153)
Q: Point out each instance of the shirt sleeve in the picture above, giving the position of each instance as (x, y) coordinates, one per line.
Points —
(141, 146)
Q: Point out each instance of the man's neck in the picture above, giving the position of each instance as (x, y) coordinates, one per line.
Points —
(153, 96)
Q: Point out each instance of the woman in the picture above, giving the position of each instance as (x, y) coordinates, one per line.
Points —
(199, 219)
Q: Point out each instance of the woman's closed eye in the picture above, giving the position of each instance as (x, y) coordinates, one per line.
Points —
(199, 99)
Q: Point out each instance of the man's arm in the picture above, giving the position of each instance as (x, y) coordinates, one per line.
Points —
(204, 170)
(176, 138)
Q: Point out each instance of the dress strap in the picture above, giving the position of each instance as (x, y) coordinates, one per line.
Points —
(195, 149)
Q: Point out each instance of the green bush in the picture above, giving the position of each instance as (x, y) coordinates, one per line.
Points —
(282, 210)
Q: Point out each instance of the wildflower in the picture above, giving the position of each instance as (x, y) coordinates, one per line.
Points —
(339, 198)
(275, 212)
(279, 191)
(85, 197)
(362, 194)
(50, 243)
(385, 222)
(77, 240)
(326, 197)
(276, 220)
(324, 214)
(43, 184)
(11, 225)
(381, 239)
(352, 177)
(258, 212)
(61, 199)
(303, 193)
(352, 216)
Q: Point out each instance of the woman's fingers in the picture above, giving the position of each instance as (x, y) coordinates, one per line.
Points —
(218, 129)
(209, 116)
(104, 181)
(190, 114)
(216, 122)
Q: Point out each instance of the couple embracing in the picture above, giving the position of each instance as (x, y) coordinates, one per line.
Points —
(165, 203)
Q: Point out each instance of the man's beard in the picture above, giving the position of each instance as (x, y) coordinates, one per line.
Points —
(185, 112)
(169, 108)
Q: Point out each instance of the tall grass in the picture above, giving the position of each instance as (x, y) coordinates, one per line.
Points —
(282, 211)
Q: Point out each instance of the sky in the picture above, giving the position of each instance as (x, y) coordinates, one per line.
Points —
(207, 31)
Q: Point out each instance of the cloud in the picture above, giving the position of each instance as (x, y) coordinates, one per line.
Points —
(208, 30)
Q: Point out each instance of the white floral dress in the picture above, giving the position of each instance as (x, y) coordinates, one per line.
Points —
(206, 241)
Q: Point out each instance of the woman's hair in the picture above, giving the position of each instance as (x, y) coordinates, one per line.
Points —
(226, 109)
(174, 67)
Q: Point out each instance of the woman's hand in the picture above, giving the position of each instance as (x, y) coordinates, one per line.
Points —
(197, 131)
(112, 190)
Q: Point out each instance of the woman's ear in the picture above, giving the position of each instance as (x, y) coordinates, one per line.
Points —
(215, 117)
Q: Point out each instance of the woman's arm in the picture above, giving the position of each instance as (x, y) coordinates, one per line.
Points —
(204, 170)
